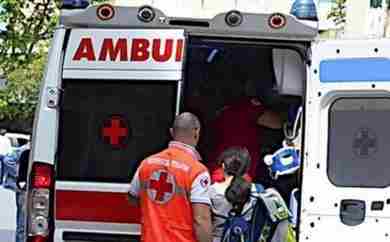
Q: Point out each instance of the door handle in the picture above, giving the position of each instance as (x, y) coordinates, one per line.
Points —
(352, 212)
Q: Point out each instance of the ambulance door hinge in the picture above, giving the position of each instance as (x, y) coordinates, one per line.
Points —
(53, 97)
(309, 56)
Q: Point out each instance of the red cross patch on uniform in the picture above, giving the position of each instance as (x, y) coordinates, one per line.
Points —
(204, 182)
(161, 186)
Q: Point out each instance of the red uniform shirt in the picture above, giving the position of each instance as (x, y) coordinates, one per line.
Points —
(237, 125)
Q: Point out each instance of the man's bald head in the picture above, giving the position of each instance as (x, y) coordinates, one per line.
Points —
(186, 128)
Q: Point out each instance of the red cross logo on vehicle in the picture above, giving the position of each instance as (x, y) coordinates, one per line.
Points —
(161, 186)
(115, 131)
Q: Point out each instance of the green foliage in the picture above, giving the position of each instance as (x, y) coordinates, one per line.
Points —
(30, 26)
(18, 100)
(23, 48)
(379, 3)
(338, 13)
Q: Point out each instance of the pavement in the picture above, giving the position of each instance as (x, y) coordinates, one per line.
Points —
(7, 215)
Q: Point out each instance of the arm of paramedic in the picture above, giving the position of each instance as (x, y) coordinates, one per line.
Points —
(202, 222)
(270, 119)
(135, 186)
(200, 200)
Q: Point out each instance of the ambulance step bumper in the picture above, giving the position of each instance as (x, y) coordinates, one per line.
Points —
(98, 237)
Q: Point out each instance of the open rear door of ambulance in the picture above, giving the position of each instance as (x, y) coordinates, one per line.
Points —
(121, 90)
(346, 169)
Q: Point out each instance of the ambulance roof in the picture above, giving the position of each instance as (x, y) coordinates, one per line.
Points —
(253, 25)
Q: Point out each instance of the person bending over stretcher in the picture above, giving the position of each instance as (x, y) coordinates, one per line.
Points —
(241, 123)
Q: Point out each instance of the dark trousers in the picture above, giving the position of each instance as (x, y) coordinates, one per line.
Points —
(20, 215)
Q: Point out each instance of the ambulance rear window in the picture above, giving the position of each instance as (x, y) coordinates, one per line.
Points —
(358, 146)
(108, 127)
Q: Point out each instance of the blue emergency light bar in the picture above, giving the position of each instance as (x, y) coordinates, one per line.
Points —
(304, 10)
(74, 4)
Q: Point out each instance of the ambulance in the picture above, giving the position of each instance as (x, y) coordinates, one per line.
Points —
(117, 76)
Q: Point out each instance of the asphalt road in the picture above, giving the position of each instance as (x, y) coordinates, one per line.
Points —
(7, 215)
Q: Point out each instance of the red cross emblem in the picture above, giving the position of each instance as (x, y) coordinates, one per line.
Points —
(115, 131)
(161, 186)
(204, 182)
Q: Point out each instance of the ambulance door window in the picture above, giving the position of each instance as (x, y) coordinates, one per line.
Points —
(358, 136)
(108, 127)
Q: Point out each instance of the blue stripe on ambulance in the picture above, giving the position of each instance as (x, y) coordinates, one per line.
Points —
(355, 70)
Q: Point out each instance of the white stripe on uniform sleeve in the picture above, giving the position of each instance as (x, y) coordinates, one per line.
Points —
(135, 185)
(200, 189)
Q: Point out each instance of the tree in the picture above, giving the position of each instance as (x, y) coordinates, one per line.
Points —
(338, 13)
(19, 98)
(23, 49)
(29, 25)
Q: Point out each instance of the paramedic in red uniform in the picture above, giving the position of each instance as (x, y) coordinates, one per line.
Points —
(171, 188)
(241, 124)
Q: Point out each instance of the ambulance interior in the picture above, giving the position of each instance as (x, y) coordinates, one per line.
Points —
(218, 72)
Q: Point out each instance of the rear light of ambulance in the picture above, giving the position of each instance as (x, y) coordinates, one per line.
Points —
(233, 18)
(37, 238)
(146, 14)
(40, 203)
(42, 176)
(105, 12)
(277, 21)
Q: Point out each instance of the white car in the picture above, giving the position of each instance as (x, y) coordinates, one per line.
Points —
(18, 139)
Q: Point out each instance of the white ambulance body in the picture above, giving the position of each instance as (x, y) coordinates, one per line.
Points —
(117, 76)
(345, 183)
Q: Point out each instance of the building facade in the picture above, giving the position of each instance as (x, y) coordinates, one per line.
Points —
(367, 18)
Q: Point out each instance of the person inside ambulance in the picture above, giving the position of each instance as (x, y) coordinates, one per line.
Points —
(242, 123)
(171, 188)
